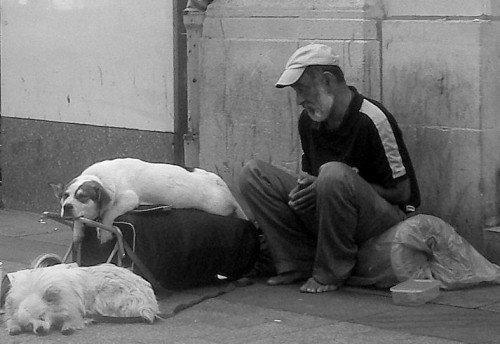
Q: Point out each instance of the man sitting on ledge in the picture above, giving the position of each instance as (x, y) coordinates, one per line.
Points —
(357, 180)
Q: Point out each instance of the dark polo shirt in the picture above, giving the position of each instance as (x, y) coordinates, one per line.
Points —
(368, 139)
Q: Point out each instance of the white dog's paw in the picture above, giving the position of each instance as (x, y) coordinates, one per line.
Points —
(89, 321)
(14, 330)
(67, 331)
(73, 323)
(104, 236)
(148, 315)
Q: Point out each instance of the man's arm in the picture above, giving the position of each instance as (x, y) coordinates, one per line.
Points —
(303, 197)
(399, 194)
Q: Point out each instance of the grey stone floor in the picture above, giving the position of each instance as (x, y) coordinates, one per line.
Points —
(261, 314)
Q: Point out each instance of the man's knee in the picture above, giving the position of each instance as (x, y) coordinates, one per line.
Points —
(333, 174)
(248, 173)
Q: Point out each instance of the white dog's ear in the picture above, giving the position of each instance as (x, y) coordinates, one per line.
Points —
(99, 194)
(4, 288)
(52, 295)
(58, 189)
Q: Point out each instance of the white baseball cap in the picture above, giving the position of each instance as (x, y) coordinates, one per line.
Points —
(309, 55)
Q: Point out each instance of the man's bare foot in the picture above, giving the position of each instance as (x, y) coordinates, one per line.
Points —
(287, 278)
(313, 286)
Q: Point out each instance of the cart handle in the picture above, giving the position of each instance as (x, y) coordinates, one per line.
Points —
(113, 229)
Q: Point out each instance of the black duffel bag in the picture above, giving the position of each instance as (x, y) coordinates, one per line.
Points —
(181, 247)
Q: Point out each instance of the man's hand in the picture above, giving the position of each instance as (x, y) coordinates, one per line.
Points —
(303, 196)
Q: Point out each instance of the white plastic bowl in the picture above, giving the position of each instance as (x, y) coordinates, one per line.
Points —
(415, 292)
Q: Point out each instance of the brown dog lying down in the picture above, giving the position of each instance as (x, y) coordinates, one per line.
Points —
(111, 188)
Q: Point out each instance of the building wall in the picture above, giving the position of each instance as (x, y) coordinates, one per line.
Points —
(245, 45)
(432, 63)
(84, 81)
(38, 152)
(105, 63)
(440, 66)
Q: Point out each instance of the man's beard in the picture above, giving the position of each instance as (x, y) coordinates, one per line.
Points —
(325, 104)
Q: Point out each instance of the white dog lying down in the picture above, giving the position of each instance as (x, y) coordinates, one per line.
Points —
(65, 296)
(110, 188)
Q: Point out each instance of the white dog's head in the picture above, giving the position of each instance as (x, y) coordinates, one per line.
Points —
(83, 196)
(44, 298)
(67, 297)
(34, 314)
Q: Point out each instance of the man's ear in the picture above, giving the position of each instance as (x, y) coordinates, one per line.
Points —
(329, 78)
(58, 189)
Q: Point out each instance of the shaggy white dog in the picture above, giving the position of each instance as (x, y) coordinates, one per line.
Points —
(67, 297)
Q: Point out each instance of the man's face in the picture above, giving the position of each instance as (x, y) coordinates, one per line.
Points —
(313, 95)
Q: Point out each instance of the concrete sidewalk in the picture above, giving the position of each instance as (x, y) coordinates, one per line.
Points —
(262, 314)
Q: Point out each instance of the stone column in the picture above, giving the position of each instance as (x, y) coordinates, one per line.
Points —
(193, 20)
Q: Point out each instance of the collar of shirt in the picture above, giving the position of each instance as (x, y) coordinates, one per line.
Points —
(349, 119)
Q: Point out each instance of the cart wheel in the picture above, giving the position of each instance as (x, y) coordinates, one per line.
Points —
(44, 260)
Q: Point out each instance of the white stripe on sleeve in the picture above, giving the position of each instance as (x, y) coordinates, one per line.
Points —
(387, 136)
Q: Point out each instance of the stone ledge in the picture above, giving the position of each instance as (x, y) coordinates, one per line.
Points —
(298, 8)
(289, 28)
(460, 8)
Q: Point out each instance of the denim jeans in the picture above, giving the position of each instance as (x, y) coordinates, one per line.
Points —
(323, 241)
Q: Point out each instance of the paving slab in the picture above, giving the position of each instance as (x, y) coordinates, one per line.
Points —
(23, 237)
(261, 314)
(19, 223)
(346, 333)
(340, 305)
(477, 297)
(219, 321)
(24, 250)
(456, 323)
(24, 224)
(451, 316)
(492, 308)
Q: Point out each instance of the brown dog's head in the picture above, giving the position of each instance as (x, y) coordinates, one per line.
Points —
(83, 196)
